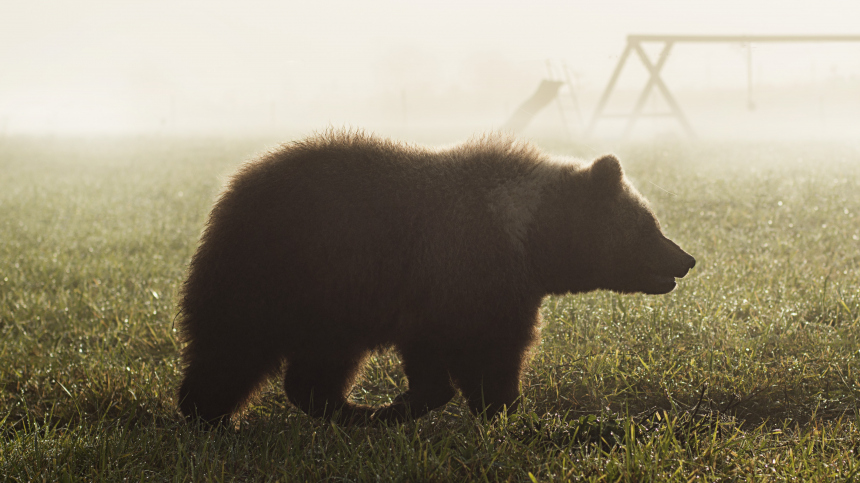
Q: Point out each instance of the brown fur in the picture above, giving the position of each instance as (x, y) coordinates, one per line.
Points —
(341, 244)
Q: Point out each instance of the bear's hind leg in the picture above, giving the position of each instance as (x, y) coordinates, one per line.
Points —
(429, 385)
(319, 386)
(217, 383)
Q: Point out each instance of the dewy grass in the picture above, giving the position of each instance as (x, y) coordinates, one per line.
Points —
(748, 370)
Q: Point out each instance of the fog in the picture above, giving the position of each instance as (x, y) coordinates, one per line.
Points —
(413, 68)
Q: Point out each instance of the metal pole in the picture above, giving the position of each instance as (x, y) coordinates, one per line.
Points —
(564, 123)
(673, 104)
(652, 81)
(610, 86)
(750, 103)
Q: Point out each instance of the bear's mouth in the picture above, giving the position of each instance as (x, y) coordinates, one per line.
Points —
(660, 284)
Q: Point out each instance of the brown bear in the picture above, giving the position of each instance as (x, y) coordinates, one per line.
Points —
(318, 253)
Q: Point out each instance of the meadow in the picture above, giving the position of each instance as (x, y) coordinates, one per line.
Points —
(750, 369)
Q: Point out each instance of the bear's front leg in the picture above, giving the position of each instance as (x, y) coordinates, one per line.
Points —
(489, 377)
(429, 385)
(320, 386)
(215, 386)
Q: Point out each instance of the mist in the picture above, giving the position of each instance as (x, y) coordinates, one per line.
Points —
(418, 69)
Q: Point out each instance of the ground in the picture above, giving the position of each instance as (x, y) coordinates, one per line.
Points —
(748, 369)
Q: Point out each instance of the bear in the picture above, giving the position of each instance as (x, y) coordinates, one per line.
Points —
(329, 248)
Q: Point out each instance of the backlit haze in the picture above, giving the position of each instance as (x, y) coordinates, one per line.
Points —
(403, 68)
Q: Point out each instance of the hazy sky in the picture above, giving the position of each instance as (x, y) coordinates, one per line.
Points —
(124, 66)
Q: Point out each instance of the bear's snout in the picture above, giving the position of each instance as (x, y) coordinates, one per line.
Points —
(677, 262)
(691, 263)
(671, 263)
(685, 263)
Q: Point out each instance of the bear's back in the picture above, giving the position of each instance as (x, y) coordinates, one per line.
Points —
(345, 180)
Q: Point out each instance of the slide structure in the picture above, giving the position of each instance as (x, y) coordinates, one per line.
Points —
(546, 92)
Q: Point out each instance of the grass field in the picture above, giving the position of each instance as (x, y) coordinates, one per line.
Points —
(749, 370)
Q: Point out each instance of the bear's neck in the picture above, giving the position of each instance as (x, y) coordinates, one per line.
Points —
(557, 244)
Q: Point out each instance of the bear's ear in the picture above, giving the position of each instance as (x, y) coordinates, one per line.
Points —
(606, 171)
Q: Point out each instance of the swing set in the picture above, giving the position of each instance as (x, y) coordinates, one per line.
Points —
(634, 44)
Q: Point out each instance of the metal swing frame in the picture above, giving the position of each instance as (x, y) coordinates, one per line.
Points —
(634, 44)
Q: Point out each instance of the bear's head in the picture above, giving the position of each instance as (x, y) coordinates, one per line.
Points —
(629, 251)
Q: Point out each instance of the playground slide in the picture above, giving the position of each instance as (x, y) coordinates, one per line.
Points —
(546, 92)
